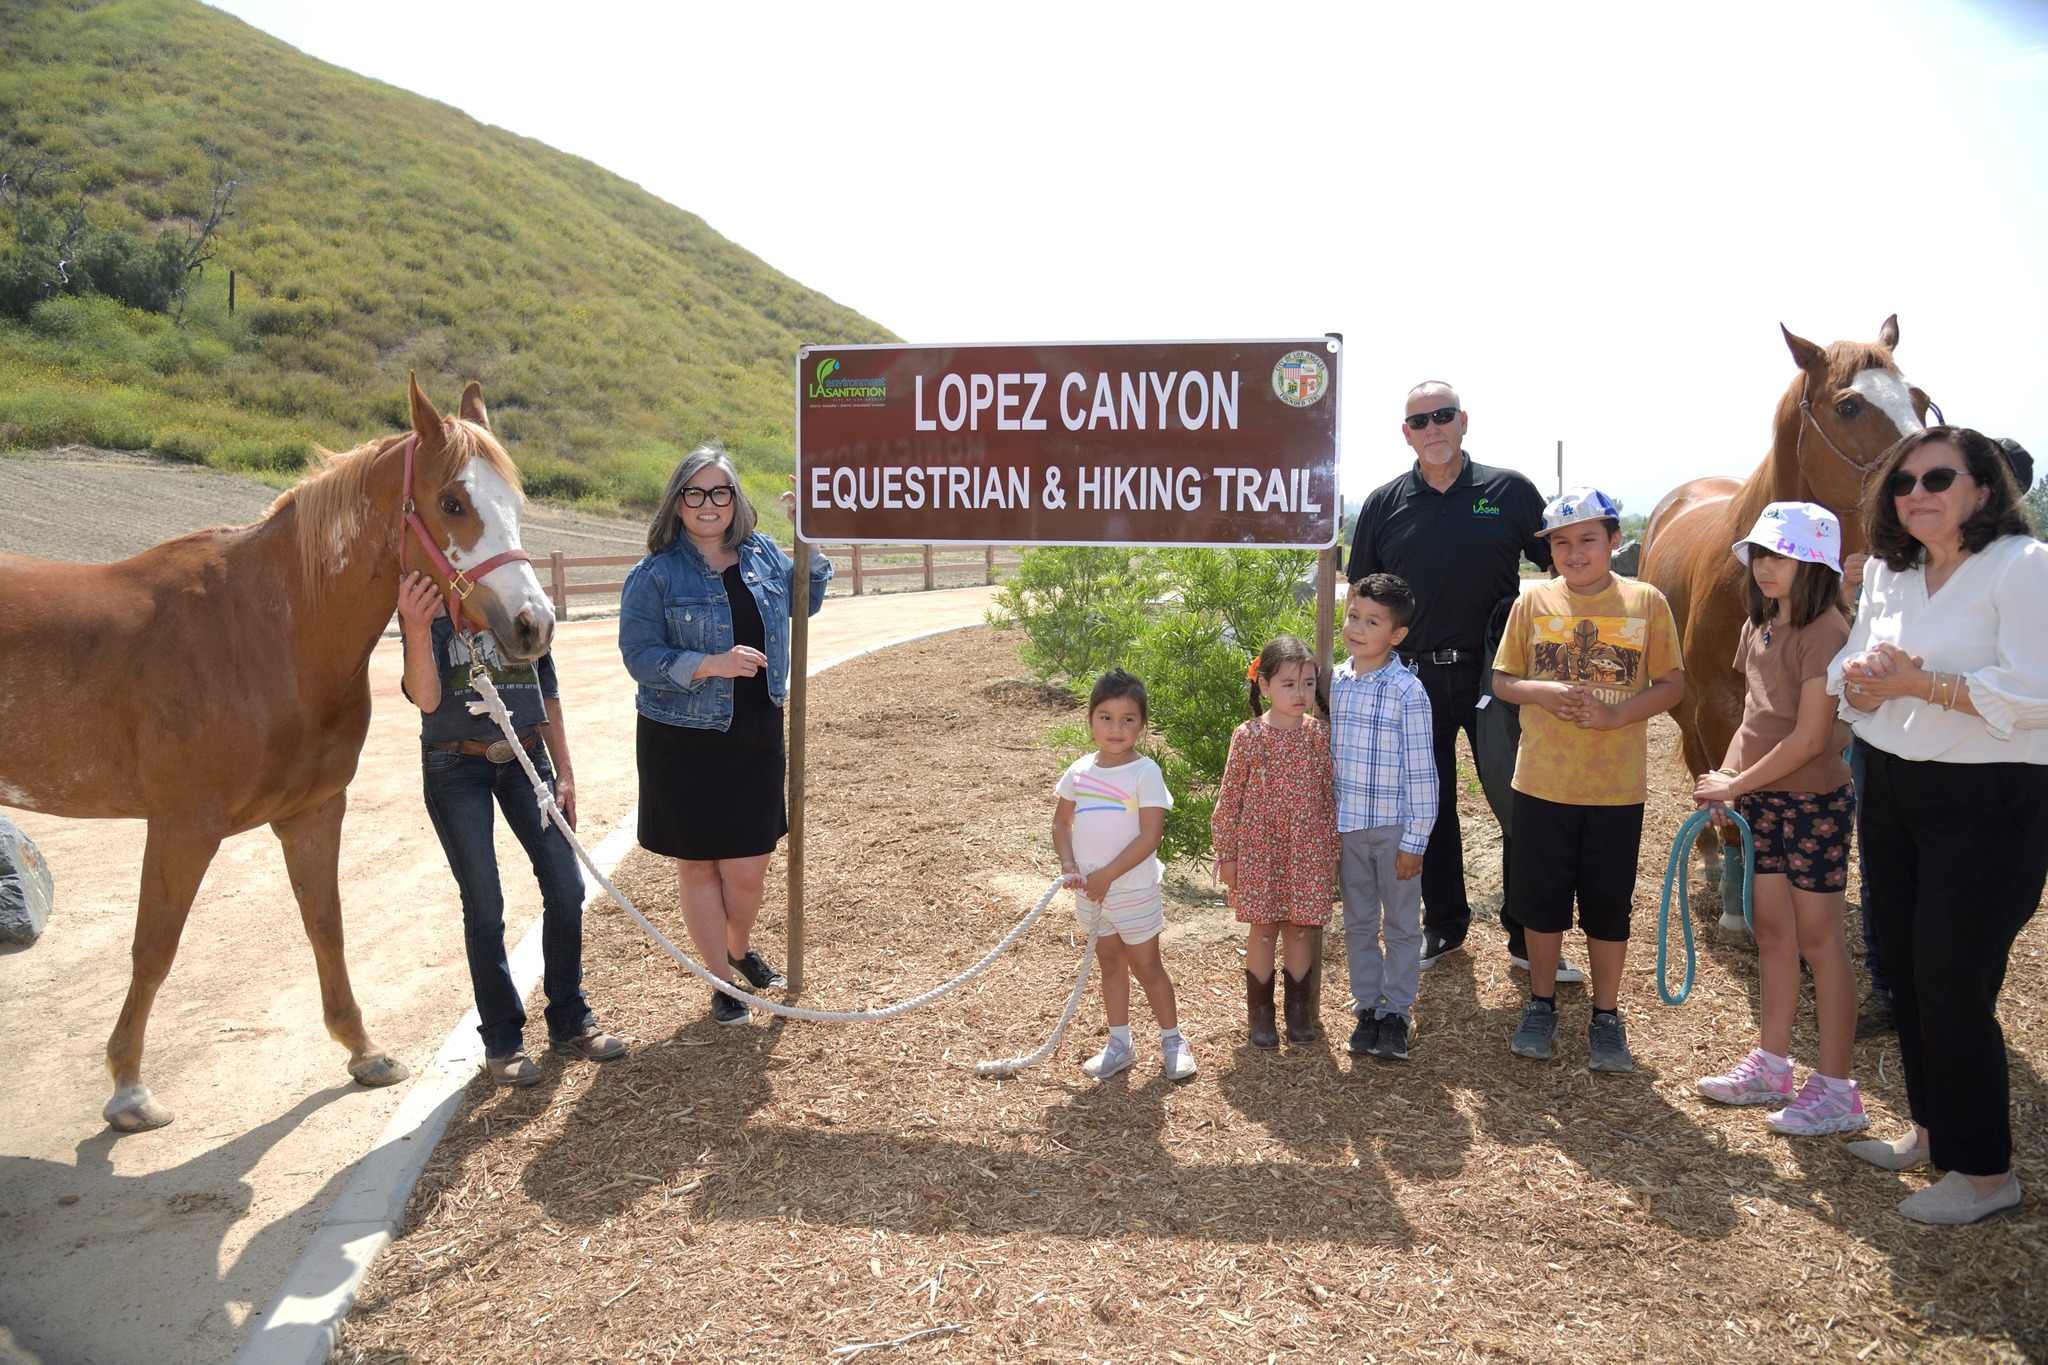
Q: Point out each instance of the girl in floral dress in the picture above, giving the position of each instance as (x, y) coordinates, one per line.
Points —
(1275, 831)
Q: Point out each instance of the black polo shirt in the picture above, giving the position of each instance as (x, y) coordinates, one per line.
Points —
(1460, 550)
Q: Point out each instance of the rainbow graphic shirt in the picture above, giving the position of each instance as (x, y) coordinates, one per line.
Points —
(1106, 804)
(1616, 642)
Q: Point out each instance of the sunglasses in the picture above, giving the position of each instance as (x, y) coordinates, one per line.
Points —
(1935, 480)
(721, 496)
(1443, 417)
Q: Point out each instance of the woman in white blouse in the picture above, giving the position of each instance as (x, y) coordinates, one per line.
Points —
(1945, 682)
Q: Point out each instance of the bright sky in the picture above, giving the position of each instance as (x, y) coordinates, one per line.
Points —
(1590, 218)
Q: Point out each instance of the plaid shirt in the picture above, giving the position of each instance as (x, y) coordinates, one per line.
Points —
(1380, 745)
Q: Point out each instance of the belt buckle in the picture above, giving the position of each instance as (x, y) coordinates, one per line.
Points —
(500, 751)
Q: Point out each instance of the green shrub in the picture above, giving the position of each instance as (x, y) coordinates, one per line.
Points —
(1187, 622)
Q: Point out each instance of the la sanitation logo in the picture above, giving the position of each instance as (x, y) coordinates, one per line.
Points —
(829, 385)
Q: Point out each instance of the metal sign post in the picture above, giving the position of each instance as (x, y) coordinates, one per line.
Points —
(1222, 444)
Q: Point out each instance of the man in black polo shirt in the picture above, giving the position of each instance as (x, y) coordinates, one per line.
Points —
(1456, 531)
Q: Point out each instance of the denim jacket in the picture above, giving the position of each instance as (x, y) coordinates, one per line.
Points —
(673, 613)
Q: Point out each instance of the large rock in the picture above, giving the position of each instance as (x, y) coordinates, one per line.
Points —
(26, 890)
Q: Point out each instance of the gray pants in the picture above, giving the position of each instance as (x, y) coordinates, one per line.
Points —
(1378, 904)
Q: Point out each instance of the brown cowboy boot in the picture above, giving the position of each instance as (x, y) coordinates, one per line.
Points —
(1301, 1023)
(1258, 1003)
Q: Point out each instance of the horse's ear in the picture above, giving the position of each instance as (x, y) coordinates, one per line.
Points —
(1805, 353)
(1888, 335)
(425, 421)
(472, 408)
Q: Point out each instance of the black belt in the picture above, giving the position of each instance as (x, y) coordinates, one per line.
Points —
(1443, 656)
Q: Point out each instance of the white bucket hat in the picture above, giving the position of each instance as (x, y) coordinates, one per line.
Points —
(1797, 530)
(1575, 505)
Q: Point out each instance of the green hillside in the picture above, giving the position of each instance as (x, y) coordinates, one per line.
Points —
(373, 232)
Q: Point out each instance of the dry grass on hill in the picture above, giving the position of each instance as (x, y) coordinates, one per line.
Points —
(787, 1191)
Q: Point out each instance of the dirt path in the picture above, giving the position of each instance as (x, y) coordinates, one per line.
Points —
(158, 1247)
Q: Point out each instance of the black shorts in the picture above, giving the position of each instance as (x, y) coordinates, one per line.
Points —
(1802, 836)
(1564, 853)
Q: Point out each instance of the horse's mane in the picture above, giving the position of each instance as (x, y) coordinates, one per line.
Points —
(333, 501)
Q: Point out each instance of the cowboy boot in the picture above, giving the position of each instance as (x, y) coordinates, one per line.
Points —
(1301, 1021)
(1258, 1003)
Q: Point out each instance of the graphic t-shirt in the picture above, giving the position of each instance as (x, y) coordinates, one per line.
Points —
(1106, 803)
(1617, 642)
(522, 687)
(1777, 662)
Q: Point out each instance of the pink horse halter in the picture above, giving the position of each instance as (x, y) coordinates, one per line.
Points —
(460, 586)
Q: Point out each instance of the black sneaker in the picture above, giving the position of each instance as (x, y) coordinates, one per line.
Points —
(1393, 1044)
(1365, 1037)
(726, 1010)
(1435, 945)
(1536, 1035)
(1874, 1017)
(756, 970)
(1607, 1043)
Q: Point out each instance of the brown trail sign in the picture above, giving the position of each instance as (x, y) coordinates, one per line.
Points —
(1228, 444)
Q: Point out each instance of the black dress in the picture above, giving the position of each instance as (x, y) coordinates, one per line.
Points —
(712, 794)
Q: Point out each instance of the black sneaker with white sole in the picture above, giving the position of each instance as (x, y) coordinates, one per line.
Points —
(1393, 1041)
(1435, 945)
(727, 1010)
(1365, 1037)
(756, 970)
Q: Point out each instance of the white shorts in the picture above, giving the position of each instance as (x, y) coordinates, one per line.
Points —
(1136, 915)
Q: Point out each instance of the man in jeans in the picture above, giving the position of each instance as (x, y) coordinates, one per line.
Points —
(1456, 530)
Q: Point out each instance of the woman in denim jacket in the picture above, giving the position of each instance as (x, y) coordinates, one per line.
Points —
(704, 628)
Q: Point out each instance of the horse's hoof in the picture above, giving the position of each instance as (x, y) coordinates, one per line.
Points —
(1734, 925)
(381, 1070)
(134, 1110)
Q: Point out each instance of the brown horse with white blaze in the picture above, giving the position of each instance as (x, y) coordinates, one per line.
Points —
(1847, 404)
(220, 681)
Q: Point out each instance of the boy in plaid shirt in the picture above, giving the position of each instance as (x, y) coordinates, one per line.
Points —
(1380, 745)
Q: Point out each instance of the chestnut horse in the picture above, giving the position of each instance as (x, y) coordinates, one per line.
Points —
(220, 681)
(1845, 406)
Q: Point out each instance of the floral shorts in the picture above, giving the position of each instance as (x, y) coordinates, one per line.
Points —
(1803, 836)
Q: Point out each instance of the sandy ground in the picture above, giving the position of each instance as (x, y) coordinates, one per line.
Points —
(159, 1246)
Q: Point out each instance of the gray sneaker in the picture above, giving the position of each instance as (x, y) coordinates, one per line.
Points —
(1537, 1033)
(1607, 1043)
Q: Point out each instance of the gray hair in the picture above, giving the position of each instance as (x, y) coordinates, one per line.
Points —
(1426, 385)
(667, 523)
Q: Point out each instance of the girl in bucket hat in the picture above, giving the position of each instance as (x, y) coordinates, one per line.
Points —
(1786, 775)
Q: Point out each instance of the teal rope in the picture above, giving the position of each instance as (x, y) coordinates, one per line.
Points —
(1676, 870)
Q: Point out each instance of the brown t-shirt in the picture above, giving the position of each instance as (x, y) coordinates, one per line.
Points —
(1776, 662)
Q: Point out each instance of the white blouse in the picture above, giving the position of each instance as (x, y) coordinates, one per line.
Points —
(1989, 622)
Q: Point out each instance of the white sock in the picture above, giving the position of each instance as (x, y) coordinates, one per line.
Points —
(1166, 1033)
(1774, 1061)
(1120, 1033)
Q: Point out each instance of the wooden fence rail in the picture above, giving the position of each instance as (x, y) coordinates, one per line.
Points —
(560, 589)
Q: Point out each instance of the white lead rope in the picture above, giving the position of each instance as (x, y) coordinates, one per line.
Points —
(493, 706)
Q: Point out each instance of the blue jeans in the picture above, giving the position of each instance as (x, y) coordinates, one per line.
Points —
(459, 791)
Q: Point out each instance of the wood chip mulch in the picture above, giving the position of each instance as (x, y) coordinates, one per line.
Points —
(810, 1192)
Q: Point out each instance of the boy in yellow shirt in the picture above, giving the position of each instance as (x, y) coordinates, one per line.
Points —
(1589, 657)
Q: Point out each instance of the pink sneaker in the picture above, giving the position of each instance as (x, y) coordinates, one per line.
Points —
(1751, 1081)
(1819, 1110)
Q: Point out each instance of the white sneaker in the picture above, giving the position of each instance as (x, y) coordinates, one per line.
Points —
(1177, 1059)
(1114, 1057)
(1567, 974)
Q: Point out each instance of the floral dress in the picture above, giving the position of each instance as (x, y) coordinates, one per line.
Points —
(1276, 816)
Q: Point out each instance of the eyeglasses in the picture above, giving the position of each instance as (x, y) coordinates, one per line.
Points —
(1443, 417)
(1935, 480)
(721, 496)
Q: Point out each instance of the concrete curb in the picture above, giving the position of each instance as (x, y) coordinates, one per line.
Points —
(302, 1321)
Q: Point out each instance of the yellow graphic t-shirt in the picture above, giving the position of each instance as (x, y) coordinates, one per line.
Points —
(1616, 642)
